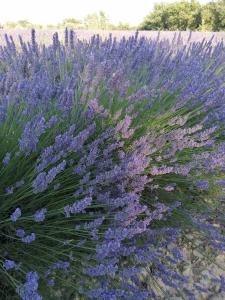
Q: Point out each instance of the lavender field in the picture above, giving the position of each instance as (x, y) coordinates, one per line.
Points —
(112, 160)
(45, 36)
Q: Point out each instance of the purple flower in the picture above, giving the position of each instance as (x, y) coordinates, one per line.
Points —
(94, 234)
(145, 256)
(169, 188)
(102, 269)
(123, 127)
(39, 215)
(9, 190)
(51, 282)
(66, 38)
(59, 265)
(221, 182)
(32, 132)
(222, 283)
(190, 294)
(28, 290)
(130, 272)
(202, 185)
(28, 238)
(6, 159)
(200, 289)
(56, 186)
(43, 179)
(120, 181)
(108, 248)
(63, 265)
(71, 39)
(19, 183)
(33, 39)
(15, 216)
(77, 207)
(177, 253)
(9, 264)
(94, 224)
(20, 232)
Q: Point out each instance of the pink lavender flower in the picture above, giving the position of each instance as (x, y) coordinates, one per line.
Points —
(169, 188)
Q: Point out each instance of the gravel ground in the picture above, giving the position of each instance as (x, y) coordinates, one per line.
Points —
(201, 264)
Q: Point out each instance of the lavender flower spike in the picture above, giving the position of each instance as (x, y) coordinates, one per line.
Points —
(39, 216)
(6, 159)
(77, 207)
(29, 238)
(9, 264)
(28, 291)
(15, 216)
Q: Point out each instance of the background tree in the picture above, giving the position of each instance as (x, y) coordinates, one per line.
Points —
(24, 24)
(10, 25)
(183, 15)
(213, 16)
(72, 23)
(186, 15)
(122, 26)
(97, 21)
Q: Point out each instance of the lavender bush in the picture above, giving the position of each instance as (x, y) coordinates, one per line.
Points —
(110, 152)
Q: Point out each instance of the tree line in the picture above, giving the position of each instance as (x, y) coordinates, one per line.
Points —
(186, 15)
(91, 21)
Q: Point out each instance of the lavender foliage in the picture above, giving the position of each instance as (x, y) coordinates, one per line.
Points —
(110, 149)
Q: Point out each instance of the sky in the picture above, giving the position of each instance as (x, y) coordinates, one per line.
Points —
(54, 11)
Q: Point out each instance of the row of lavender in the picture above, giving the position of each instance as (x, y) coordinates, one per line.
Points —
(110, 151)
(44, 36)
